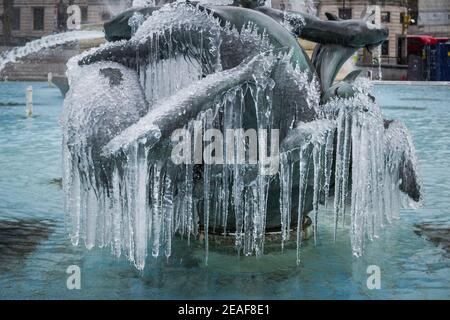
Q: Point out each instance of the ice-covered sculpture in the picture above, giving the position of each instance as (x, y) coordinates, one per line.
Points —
(189, 68)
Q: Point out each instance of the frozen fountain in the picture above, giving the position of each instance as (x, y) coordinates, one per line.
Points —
(176, 72)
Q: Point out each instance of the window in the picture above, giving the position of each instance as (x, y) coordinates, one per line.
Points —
(385, 16)
(61, 16)
(385, 48)
(38, 18)
(106, 16)
(345, 13)
(84, 14)
(15, 19)
(401, 50)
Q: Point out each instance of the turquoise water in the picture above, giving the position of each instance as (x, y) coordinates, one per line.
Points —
(35, 252)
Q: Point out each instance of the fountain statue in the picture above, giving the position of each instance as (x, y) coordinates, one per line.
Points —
(220, 84)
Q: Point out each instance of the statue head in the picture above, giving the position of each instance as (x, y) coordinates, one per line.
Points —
(364, 32)
(252, 4)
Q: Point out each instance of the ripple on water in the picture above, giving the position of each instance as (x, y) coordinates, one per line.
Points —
(20, 238)
(437, 232)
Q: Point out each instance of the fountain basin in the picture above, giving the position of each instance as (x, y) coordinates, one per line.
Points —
(413, 267)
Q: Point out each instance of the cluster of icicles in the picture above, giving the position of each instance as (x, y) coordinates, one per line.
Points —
(142, 200)
(351, 146)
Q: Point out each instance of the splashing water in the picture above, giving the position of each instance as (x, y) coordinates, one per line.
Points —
(306, 6)
(46, 42)
(379, 57)
(217, 2)
(127, 193)
(144, 3)
(311, 7)
(114, 7)
(136, 20)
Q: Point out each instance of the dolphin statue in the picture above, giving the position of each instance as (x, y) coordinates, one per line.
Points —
(337, 39)
(241, 45)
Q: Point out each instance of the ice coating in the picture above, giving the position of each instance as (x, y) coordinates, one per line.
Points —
(46, 42)
(144, 174)
(88, 123)
(123, 190)
(293, 22)
(401, 153)
(188, 101)
(136, 20)
(374, 196)
(382, 159)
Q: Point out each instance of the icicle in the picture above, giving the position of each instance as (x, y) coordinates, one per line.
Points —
(168, 215)
(380, 70)
(316, 191)
(156, 209)
(301, 190)
(207, 124)
(328, 162)
(140, 205)
(263, 107)
(188, 219)
(285, 197)
(346, 164)
(74, 206)
(91, 212)
(338, 174)
(248, 221)
(260, 215)
(234, 115)
(117, 213)
(103, 219)
(238, 189)
(358, 189)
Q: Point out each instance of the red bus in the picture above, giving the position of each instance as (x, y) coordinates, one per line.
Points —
(416, 44)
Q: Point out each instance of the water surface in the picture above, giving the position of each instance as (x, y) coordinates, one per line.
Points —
(35, 252)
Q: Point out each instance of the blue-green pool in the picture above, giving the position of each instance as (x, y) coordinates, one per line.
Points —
(35, 252)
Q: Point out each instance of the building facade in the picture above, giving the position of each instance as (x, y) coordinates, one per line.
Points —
(31, 19)
(295, 5)
(388, 12)
(434, 18)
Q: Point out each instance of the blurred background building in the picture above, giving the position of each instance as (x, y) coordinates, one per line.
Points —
(433, 18)
(25, 20)
(416, 27)
(419, 30)
(392, 13)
